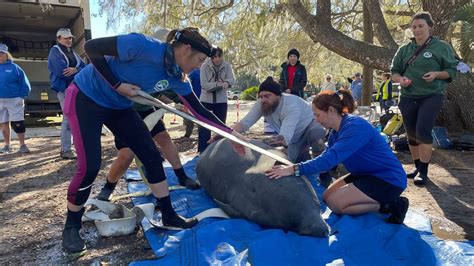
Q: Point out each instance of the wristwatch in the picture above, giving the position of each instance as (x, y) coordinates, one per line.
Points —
(296, 169)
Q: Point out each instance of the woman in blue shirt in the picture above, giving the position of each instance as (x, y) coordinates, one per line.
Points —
(376, 178)
(120, 66)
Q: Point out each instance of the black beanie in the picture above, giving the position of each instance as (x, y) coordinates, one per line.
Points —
(293, 51)
(270, 85)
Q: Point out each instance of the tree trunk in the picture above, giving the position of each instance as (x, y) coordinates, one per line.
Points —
(458, 107)
(368, 72)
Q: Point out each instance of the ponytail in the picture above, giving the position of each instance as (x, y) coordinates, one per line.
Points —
(191, 36)
(341, 100)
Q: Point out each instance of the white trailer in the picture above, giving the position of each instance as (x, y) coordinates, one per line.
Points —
(29, 28)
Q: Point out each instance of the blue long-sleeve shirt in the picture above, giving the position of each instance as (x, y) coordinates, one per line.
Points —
(57, 62)
(195, 77)
(13, 81)
(362, 150)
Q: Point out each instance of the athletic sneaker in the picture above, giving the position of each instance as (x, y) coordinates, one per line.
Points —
(6, 149)
(72, 241)
(24, 149)
(179, 221)
(70, 154)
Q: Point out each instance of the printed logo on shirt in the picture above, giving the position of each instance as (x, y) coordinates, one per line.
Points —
(161, 85)
(8, 70)
(427, 55)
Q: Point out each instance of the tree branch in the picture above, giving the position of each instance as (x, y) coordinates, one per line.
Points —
(217, 9)
(399, 13)
(380, 27)
(322, 31)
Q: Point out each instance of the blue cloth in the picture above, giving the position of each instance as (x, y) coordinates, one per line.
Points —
(57, 62)
(356, 88)
(13, 81)
(195, 77)
(140, 62)
(355, 240)
(362, 150)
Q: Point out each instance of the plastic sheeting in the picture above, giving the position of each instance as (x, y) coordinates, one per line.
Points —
(355, 240)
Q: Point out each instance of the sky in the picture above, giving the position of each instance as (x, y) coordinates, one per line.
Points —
(99, 24)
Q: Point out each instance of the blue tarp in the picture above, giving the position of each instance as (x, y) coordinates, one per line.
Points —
(355, 240)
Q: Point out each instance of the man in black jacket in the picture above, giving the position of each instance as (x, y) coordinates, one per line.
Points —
(293, 76)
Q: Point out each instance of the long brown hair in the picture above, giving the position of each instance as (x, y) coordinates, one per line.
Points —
(341, 100)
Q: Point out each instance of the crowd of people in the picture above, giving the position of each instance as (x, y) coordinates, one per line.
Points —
(98, 94)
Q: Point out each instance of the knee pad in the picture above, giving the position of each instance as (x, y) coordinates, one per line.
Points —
(18, 126)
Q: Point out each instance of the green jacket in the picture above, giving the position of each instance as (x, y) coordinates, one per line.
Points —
(437, 56)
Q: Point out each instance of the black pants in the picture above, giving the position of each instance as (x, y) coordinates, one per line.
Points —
(220, 110)
(419, 115)
(86, 119)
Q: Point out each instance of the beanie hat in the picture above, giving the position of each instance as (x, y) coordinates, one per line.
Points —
(270, 85)
(293, 51)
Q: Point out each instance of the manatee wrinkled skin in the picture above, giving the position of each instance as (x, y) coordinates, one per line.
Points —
(239, 185)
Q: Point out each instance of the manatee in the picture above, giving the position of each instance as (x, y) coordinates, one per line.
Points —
(239, 186)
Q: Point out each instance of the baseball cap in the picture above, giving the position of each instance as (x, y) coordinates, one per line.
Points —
(358, 74)
(64, 32)
(3, 48)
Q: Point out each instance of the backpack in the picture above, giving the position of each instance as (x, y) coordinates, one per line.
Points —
(401, 144)
(465, 142)
(385, 118)
(394, 125)
(441, 139)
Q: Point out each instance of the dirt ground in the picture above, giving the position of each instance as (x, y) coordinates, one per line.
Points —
(33, 204)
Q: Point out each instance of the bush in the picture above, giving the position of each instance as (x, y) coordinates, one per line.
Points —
(250, 94)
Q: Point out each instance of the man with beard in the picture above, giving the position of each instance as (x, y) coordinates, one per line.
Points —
(290, 115)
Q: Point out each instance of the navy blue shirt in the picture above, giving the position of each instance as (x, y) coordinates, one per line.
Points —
(362, 150)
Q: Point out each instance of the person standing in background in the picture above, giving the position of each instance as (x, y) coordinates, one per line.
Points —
(423, 67)
(217, 77)
(328, 84)
(384, 94)
(63, 65)
(14, 87)
(293, 77)
(356, 88)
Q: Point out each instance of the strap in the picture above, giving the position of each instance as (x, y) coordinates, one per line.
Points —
(416, 54)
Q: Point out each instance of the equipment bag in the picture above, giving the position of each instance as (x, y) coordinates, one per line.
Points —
(394, 124)
(401, 144)
(385, 118)
(465, 142)
(441, 139)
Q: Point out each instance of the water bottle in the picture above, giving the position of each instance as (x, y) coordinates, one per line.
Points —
(379, 128)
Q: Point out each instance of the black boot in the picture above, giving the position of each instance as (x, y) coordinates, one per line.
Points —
(412, 175)
(106, 191)
(170, 218)
(71, 240)
(184, 180)
(422, 178)
(398, 209)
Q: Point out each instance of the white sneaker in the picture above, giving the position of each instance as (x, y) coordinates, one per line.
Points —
(70, 154)
(6, 149)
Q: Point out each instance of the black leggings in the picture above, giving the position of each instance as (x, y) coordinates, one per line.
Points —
(419, 115)
(86, 119)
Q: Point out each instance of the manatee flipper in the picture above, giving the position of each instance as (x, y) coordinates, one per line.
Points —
(227, 208)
